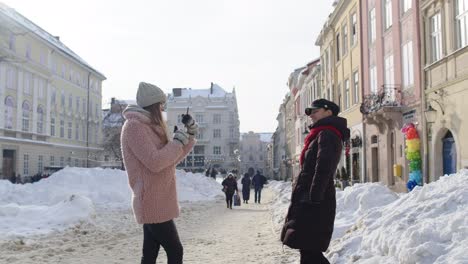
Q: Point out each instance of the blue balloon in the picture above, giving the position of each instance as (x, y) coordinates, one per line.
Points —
(410, 185)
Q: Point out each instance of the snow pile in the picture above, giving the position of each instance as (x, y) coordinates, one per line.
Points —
(427, 225)
(70, 196)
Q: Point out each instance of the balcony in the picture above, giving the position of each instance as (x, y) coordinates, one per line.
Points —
(383, 107)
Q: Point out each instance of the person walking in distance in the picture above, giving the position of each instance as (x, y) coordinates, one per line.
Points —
(246, 182)
(229, 187)
(150, 158)
(258, 181)
(311, 213)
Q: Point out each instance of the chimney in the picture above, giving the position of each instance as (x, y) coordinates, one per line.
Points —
(177, 92)
(112, 100)
(211, 88)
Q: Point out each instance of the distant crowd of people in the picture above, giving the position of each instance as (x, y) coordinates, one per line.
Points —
(18, 179)
(248, 180)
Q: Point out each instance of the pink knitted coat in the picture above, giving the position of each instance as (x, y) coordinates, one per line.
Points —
(150, 168)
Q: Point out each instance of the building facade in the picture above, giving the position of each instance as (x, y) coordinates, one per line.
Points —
(51, 101)
(444, 38)
(392, 85)
(340, 52)
(254, 149)
(217, 115)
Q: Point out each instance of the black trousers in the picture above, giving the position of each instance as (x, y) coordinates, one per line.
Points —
(313, 257)
(165, 235)
(229, 195)
(258, 194)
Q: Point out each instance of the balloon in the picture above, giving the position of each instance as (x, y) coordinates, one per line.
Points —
(410, 185)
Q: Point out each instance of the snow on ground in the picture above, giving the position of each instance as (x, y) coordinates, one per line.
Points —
(87, 211)
(374, 225)
(70, 196)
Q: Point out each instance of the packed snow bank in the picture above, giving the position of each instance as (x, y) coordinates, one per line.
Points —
(427, 225)
(70, 196)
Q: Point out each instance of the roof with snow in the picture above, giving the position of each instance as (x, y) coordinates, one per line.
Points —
(46, 36)
(214, 91)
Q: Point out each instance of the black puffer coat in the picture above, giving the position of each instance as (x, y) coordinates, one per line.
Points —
(311, 214)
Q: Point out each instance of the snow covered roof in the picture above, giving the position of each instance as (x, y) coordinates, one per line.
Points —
(214, 91)
(113, 120)
(46, 36)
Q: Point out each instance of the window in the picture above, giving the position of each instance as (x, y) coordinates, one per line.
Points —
(40, 164)
(42, 58)
(70, 125)
(52, 161)
(12, 42)
(53, 96)
(83, 131)
(41, 88)
(388, 13)
(345, 39)
(97, 110)
(406, 5)
(62, 99)
(200, 134)
(251, 157)
(10, 78)
(62, 162)
(77, 163)
(217, 133)
(52, 126)
(461, 16)
(231, 132)
(62, 127)
(355, 87)
(353, 29)
(217, 119)
(389, 78)
(77, 132)
(436, 37)
(373, 79)
(199, 118)
(40, 120)
(70, 102)
(28, 51)
(77, 104)
(389, 72)
(347, 94)
(84, 105)
(26, 115)
(408, 71)
(337, 47)
(9, 106)
(27, 83)
(217, 150)
(372, 29)
(25, 165)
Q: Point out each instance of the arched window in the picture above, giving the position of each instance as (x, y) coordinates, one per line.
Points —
(40, 120)
(26, 116)
(9, 106)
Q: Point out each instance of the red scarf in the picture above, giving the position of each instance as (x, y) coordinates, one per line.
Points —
(312, 135)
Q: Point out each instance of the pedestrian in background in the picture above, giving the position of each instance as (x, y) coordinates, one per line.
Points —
(150, 158)
(311, 214)
(246, 182)
(229, 186)
(258, 181)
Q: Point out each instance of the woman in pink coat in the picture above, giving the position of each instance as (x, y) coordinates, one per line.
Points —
(150, 159)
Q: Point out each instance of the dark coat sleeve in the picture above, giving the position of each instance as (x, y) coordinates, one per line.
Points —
(328, 156)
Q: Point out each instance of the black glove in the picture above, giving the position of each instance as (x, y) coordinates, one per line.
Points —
(187, 120)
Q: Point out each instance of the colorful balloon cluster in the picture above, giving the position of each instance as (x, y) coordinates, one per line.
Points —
(413, 145)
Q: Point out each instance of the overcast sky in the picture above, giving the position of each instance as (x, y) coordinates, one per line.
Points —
(252, 45)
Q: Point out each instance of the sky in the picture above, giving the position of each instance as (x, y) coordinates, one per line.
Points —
(372, 225)
(252, 45)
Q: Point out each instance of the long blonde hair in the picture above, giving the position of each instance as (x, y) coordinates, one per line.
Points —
(157, 120)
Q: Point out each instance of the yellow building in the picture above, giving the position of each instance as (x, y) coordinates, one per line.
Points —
(445, 69)
(340, 56)
(51, 110)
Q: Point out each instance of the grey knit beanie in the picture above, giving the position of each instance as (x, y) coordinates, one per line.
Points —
(149, 94)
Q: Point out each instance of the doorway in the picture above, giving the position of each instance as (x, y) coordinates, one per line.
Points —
(375, 164)
(449, 154)
(8, 169)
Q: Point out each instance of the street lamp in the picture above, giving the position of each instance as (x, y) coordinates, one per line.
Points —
(430, 114)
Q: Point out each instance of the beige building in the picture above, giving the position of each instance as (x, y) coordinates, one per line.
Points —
(51, 110)
(340, 55)
(254, 152)
(444, 39)
(217, 115)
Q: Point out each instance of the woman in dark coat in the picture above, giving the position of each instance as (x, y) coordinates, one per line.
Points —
(246, 182)
(229, 187)
(311, 214)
